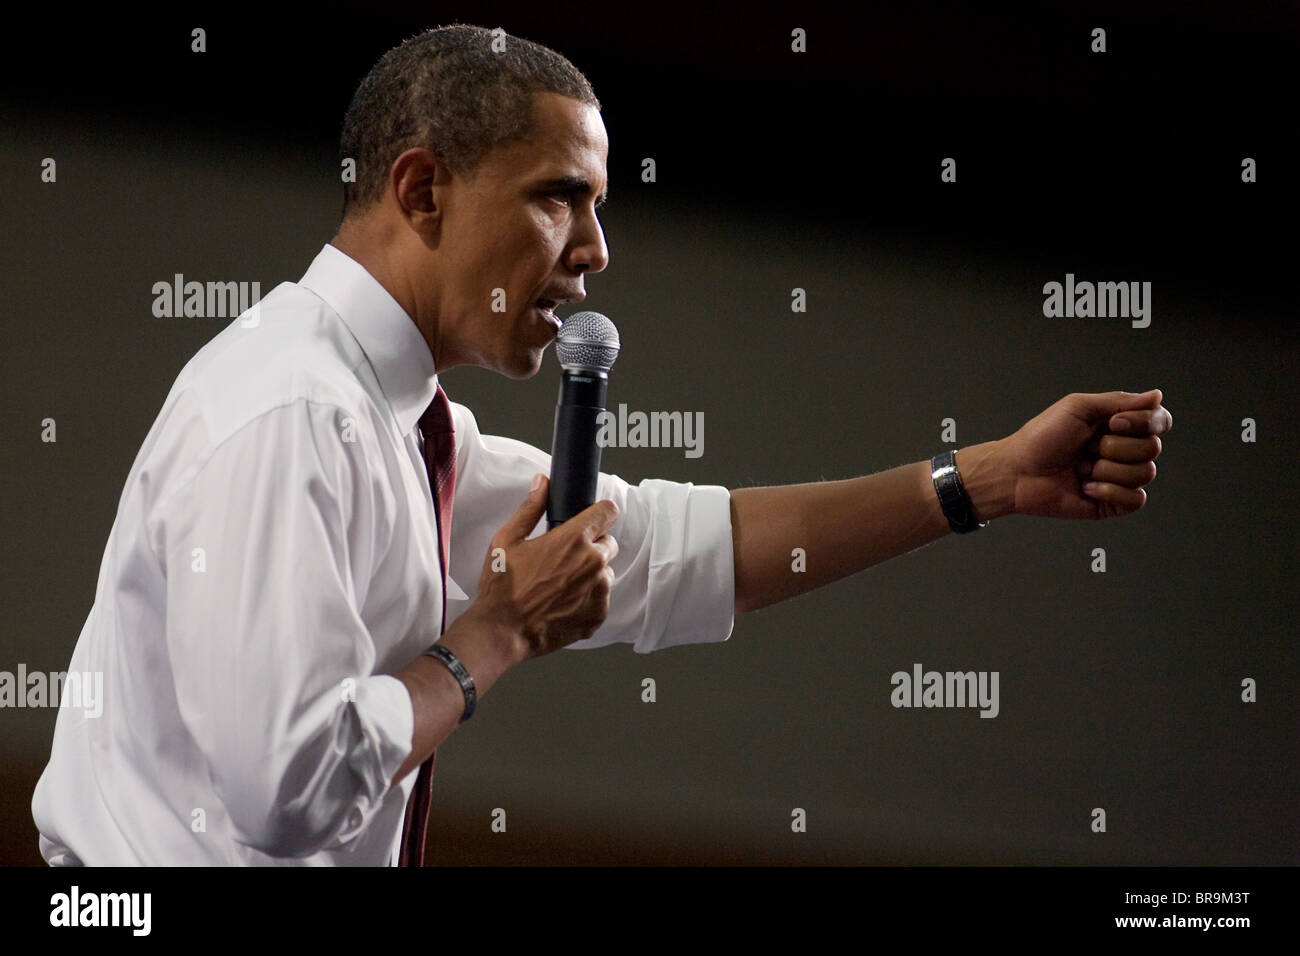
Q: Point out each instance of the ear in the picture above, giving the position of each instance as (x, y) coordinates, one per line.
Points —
(416, 181)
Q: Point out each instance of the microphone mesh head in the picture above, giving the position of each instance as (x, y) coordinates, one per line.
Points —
(587, 341)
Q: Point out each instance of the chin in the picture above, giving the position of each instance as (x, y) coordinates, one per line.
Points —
(523, 367)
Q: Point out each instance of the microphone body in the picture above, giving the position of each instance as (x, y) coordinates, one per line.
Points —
(575, 451)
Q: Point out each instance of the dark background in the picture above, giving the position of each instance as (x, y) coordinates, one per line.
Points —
(775, 170)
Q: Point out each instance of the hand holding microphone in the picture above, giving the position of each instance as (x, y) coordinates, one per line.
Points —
(554, 589)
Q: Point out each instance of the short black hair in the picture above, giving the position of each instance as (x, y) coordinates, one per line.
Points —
(447, 90)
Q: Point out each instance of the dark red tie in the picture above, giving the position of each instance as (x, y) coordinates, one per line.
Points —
(440, 460)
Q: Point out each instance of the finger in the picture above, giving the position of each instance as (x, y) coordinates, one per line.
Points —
(1122, 500)
(1130, 476)
(525, 518)
(596, 519)
(608, 546)
(1135, 424)
(1127, 450)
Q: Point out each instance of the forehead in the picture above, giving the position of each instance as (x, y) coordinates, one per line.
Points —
(568, 139)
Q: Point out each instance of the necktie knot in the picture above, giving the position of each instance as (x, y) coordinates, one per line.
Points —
(436, 419)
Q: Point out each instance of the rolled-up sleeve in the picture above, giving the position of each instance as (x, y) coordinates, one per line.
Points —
(674, 575)
(269, 548)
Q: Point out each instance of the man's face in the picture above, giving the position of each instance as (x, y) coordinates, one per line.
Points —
(523, 229)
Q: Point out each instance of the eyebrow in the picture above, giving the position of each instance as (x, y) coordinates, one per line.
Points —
(574, 184)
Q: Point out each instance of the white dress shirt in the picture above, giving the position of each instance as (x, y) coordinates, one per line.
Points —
(274, 561)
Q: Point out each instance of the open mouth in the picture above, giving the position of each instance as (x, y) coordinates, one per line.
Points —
(547, 308)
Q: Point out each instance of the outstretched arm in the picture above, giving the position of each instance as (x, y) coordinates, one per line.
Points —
(1047, 468)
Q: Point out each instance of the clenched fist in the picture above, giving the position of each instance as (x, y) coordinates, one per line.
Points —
(1088, 456)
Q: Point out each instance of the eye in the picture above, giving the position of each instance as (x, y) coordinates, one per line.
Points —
(564, 199)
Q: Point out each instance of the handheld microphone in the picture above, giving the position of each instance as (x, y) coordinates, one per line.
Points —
(586, 346)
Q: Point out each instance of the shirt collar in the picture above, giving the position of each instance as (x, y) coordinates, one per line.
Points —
(389, 337)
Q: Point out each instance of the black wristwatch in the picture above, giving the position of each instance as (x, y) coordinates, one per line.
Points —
(952, 494)
(462, 677)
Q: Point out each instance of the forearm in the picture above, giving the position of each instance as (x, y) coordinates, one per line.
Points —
(487, 649)
(846, 526)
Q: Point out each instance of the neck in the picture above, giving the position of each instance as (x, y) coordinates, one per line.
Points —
(375, 249)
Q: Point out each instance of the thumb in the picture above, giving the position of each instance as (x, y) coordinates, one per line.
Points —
(530, 511)
(1148, 399)
(1101, 406)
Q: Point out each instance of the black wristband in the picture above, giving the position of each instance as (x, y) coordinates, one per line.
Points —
(953, 499)
(462, 676)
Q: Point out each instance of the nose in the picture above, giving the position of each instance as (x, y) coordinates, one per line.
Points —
(589, 253)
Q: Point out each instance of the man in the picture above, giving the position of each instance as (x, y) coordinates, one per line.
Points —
(276, 571)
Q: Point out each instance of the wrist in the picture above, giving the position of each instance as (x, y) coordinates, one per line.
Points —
(486, 643)
(989, 480)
